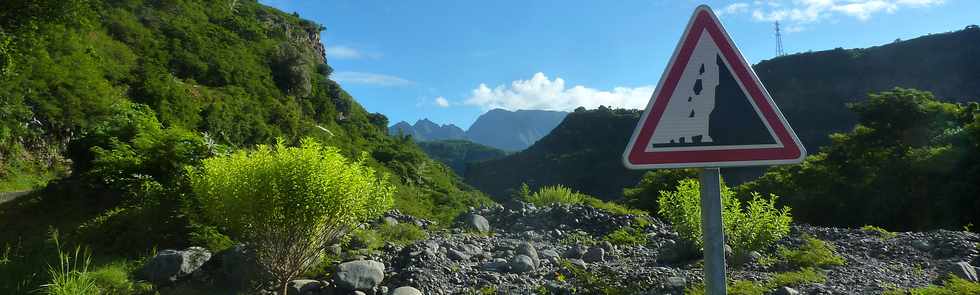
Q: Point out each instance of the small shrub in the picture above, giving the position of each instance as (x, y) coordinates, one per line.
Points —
(627, 236)
(813, 253)
(113, 278)
(578, 238)
(756, 226)
(806, 275)
(210, 238)
(883, 234)
(552, 195)
(290, 203)
(736, 287)
(367, 238)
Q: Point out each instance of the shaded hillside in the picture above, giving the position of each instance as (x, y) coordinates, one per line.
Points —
(457, 154)
(812, 88)
(425, 130)
(513, 130)
(583, 153)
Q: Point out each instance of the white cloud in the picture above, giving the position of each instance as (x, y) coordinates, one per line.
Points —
(733, 8)
(542, 93)
(800, 12)
(347, 52)
(370, 79)
(441, 102)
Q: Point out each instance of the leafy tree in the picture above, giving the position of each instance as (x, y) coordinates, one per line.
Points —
(289, 203)
(912, 163)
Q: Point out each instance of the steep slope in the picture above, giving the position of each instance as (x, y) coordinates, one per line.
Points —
(458, 154)
(425, 130)
(513, 130)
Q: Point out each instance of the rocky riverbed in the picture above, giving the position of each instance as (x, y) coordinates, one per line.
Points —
(561, 249)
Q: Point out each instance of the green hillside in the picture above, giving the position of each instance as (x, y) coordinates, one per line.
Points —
(110, 101)
(458, 154)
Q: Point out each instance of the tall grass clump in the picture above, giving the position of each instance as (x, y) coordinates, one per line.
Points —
(70, 276)
(551, 195)
(813, 253)
(288, 203)
(749, 226)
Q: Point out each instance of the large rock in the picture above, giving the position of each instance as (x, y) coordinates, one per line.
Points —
(475, 222)
(528, 249)
(359, 275)
(550, 255)
(169, 265)
(964, 270)
(303, 287)
(595, 254)
(521, 264)
(406, 291)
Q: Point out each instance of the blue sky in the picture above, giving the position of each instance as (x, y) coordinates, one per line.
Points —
(451, 61)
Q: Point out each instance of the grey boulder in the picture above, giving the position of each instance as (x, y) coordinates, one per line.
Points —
(521, 264)
(595, 254)
(359, 275)
(476, 222)
(303, 287)
(406, 291)
(528, 250)
(169, 265)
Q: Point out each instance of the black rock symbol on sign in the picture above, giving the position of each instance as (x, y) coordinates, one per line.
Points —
(686, 120)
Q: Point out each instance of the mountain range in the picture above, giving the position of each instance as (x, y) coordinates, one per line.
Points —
(497, 128)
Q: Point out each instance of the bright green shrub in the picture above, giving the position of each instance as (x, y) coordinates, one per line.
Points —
(952, 285)
(289, 203)
(402, 233)
(883, 234)
(807, 275)
(552, 195)
(753, 227)
(813, 253)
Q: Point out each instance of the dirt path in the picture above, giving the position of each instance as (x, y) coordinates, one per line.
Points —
(9, 196)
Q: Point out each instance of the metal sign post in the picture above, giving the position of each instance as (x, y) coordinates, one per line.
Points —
(712, 231)
(710, 110)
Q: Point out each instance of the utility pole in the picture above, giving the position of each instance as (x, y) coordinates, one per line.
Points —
(779, 42)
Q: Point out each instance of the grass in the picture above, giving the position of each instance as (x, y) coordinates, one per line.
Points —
(402, 233)
(803, 276)
(578, 238)
(627, 236)
(70, 276)
(559, 194)
(735, 287)
(952, 285)
(813, 253)
(883, 234)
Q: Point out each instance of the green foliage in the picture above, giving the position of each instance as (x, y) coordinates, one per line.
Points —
(753, 227)
(951, 285)
(578, 238)
(882, 233)
(735, 287)
(627, 236)
(911, 163)
(593, 282)
(807, 275)
(366, 239)
(311, 190)
(209, 237)
(645, 194)
(114, 279)
(813, 253)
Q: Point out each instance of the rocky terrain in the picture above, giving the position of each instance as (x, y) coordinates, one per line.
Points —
(523, 249)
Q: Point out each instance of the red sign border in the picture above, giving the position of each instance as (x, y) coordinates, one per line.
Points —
(636, 156)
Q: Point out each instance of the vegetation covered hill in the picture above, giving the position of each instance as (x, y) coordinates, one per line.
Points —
(458, 154)
(120, 96)
(813, 88)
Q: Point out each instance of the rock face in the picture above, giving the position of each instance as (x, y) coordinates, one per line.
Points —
(359, 275)
(964, 270)
(169, 265)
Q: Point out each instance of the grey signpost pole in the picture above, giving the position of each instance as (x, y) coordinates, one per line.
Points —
(713, 232)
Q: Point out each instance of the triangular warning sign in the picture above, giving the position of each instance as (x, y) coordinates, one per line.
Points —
(710, 109)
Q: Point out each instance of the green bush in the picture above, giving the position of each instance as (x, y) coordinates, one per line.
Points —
(290, 203)
(807, 275)
(883, 234)
(753, 227)
(70, 276)
(813, 253)
(952, 285)
(402, 233)
(551, 195)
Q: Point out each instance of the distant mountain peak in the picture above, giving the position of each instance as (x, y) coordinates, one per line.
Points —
(499, 128)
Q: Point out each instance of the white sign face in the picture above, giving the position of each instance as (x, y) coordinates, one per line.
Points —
(710, 109)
